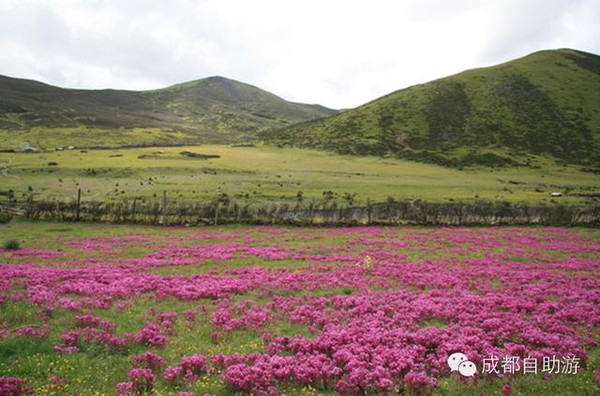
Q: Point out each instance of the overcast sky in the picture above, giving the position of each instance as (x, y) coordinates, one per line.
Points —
(337, 53)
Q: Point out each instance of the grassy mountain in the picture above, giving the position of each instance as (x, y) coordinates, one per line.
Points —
(547, 103)
(214, 109)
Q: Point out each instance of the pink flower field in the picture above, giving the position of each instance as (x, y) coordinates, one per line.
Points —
(133, 310)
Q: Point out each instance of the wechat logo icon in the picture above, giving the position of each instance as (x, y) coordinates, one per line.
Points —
(459, 362)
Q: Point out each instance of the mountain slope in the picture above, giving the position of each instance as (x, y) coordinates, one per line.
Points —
(214, 109)
(546, 103)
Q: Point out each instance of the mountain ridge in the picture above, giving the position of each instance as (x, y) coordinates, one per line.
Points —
(545, 103)
(213, 109)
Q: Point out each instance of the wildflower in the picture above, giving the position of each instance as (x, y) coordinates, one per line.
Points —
(14, 386)
(172, 373)
(142, 379)
(195, 364)
(148, 360)
(125, 388)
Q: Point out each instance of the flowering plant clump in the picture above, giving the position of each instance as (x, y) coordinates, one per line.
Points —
(245, 315)
(196, 364)
(252, 379)
(125, 388)
(14, 386)
(33, 331)
(37, 253)
(153, 335)
(94, 321)
(173, 373)
(142, 379)
(148, 360)
(170, 317)
(72, 340)
(189, 369)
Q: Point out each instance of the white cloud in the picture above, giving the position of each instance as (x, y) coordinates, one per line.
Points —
(337, 53)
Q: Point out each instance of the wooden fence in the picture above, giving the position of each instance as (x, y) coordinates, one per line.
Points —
(219, 211)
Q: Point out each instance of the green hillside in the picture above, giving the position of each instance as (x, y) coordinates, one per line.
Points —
(547, 103)
(214, 109)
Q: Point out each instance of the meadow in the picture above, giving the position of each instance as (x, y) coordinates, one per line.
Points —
(268, 174)
(120, 309)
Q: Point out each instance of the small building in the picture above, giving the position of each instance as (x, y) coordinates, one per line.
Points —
(556, 194)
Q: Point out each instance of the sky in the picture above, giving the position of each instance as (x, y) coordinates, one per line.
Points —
(338, 53)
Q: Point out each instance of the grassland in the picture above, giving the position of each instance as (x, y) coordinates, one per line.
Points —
(260, 174)
(49, 138)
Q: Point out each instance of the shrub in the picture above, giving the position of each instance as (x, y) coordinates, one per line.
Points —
(11, 244)
(5, 218)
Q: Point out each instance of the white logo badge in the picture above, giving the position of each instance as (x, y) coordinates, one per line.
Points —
(459, 362)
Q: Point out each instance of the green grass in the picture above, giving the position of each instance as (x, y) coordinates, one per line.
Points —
(19, 314)
(50, 138)
(261, 174)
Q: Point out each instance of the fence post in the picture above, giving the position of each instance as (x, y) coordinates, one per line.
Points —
(133, 208)
(29, 206)
(369, 212)
(77, 210)
(164, 208)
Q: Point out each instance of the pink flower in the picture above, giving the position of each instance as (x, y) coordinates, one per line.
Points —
(189, 377)
(125, 388)
(94, 321)
(142, 379)
(172, 373)
(190, 314)
(195, 364)
(14, 386)
(255, 379)
(65, 350)
(149, 360)
(33, 332)
(167, 316)
(151, 334)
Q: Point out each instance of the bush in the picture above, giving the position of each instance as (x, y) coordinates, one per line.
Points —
(5, 218)
(11, 244)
